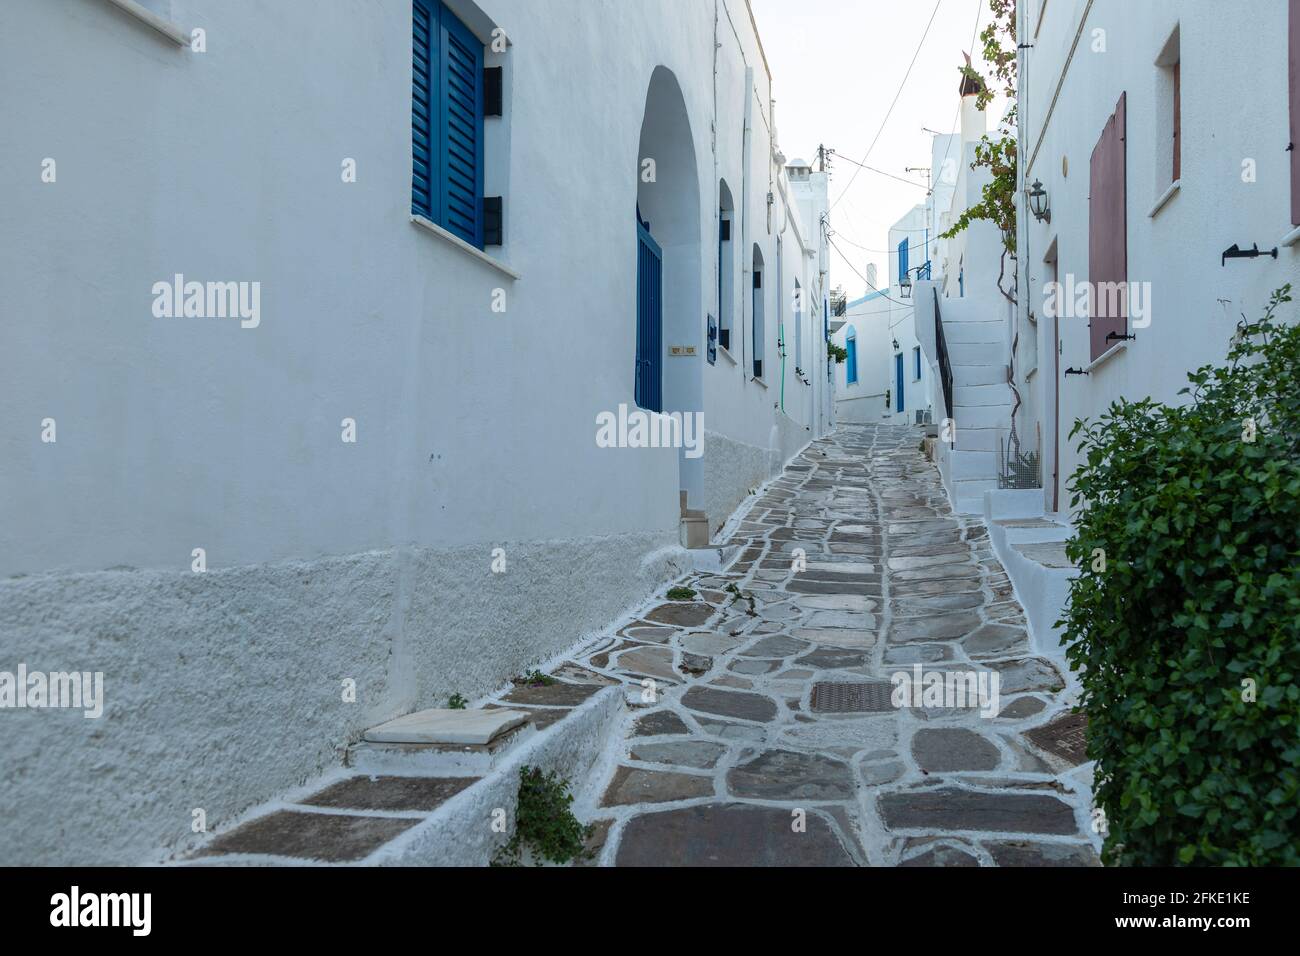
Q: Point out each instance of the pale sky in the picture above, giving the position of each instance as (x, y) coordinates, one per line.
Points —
(836, 66)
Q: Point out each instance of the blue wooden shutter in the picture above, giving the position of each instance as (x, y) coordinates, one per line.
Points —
(461, 130)
(902, 261)
(447, 105)
(424, 96)
(851, 361)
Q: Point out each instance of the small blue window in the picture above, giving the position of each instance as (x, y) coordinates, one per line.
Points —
(916, 358)
(851, 363)
(446, 122)
(902, 262)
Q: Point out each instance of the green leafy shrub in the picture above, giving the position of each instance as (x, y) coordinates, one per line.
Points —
(544, 824)
(457, 702)
(681, 594)
(1186, 615)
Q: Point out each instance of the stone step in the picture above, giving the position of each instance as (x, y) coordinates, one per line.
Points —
(408, 807)
(1049, 554)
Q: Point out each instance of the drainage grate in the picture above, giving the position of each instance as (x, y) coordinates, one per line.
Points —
(843, 698)
(1066, 737)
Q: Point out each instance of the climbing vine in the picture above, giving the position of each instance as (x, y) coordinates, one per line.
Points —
(999, 156)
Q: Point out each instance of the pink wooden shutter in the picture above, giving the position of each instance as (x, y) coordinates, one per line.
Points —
(1294, 73)
(1108, 232)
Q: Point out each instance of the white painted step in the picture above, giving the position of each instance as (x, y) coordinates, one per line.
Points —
(973, 395)
(977, 465)
(979, 375)
(977, 353)
(960, 333)
(982, 416)
(978, 439)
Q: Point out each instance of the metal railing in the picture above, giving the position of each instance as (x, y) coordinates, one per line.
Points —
(945, 365)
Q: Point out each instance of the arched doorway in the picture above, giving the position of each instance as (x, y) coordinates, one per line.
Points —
(670, 313)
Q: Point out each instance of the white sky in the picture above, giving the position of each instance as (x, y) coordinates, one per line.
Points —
(836, 65)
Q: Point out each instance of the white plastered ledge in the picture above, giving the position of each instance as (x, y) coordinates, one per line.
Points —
(456, 241)
(1106, 356)
(168, 28)
(1170, 192)
(1291, 238)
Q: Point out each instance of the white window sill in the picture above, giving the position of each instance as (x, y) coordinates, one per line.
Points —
(1291, 238)
(725, 353)
(1165, 196)
(430, 226)
(171, 30)
(1105, 357)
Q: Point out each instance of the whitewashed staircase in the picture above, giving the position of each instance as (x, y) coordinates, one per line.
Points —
(981, 407)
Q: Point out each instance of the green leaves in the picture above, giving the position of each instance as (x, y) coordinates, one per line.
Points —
(1200, 521)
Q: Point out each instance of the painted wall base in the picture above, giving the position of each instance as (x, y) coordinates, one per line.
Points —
(225, 688)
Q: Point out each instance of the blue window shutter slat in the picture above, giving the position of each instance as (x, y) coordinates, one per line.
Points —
(460, 129)
(425, 86)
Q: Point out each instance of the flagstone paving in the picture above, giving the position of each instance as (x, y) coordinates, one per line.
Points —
(851, 568)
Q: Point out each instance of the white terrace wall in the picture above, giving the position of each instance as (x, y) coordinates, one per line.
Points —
(1234, 186)
(328, 561)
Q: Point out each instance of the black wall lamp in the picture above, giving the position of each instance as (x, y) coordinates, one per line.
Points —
(1038, 203)
(1116, 337)
(1075, 371)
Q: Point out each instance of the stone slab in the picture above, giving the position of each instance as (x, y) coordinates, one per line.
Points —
(448, 726)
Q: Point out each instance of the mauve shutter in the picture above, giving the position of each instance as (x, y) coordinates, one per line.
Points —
(1108, 232)
(462, 131)
(1295, 112)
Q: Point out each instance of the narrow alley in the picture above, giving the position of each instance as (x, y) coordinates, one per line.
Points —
(774, 690)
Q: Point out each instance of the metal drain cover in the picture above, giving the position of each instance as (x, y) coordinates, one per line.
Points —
(1066, 737)
(844, 698)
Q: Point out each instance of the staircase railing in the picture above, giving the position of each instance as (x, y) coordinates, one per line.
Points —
(945, 364)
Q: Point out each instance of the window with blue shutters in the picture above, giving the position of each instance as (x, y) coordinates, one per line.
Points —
(851, 361)
(447, 122)
(902, 262)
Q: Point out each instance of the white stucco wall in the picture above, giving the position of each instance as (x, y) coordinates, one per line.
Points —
(1234, 110)
(475, 428)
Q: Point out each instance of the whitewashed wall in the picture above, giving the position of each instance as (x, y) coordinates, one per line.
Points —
(476, 430)
(1234, 110)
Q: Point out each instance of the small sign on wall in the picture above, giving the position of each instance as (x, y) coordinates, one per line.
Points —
(682, 351)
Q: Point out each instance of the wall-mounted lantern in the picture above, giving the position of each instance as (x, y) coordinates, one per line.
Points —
(1038, 204)
(895, 345)
(905, 285)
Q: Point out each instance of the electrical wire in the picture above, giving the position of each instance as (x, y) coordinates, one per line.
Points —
(890, 111)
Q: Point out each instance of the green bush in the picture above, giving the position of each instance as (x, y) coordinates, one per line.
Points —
(1189, 597)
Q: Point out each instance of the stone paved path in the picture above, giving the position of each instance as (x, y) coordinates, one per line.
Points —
(773, 740)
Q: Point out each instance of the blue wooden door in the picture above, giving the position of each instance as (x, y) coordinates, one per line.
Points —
(898, 377)
(649, 321)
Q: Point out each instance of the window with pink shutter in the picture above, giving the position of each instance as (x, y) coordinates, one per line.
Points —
(1108, 234)
(1294, 73)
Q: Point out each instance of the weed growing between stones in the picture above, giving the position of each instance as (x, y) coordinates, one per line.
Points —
(457, 702)
(681, 594)
(545, 827)
(534, 678)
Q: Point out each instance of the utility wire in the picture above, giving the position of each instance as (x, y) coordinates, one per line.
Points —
(883, 173)
(871, 285)
(890, 112)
